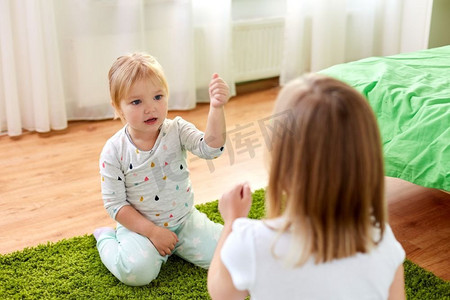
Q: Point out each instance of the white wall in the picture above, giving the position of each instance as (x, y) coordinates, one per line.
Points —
(440, 24)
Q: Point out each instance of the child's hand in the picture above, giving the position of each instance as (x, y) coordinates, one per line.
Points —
(219, 92)
(164, 240)
(236, 203)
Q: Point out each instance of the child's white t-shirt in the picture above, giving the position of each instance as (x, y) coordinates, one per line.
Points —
(154, 182)
(247, 254)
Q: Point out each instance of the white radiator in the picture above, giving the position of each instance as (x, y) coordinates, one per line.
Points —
(257, 48)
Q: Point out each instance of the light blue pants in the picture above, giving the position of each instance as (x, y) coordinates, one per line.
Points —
(134, 260)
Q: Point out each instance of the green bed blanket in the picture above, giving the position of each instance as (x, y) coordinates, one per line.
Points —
(410, 94)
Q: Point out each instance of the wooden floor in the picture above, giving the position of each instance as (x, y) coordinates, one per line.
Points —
(50, 189)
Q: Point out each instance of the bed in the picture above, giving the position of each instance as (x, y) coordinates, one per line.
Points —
(410, 94)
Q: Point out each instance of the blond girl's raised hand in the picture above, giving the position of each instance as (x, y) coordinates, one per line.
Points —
(219, 93)
(235, 203)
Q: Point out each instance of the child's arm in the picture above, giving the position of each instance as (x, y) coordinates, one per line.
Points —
(234, 204)
(163, 239)
(215, 126)
(114, 197)
(397, 289)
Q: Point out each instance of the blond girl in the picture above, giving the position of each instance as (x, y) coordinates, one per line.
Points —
(326, 234)
(145, 178)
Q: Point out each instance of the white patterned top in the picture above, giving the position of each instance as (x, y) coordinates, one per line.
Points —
(155, 182)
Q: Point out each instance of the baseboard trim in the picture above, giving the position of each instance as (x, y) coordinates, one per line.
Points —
(257, 85)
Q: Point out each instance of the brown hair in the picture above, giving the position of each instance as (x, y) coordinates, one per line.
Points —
(326, 170)
(128, 69)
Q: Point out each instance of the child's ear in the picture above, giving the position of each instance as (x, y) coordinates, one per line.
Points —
(117, 112)
(118, 115)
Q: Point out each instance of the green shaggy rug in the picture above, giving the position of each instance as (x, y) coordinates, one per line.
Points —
(71, 269)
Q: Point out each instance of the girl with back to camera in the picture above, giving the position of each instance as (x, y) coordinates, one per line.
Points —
(144, 176)
(326, 234)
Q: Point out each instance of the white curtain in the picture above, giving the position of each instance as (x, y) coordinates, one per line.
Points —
(55, 54)
(322, 33)
(31, 85)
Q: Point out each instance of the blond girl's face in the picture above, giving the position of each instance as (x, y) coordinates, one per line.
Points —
(144, 108)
